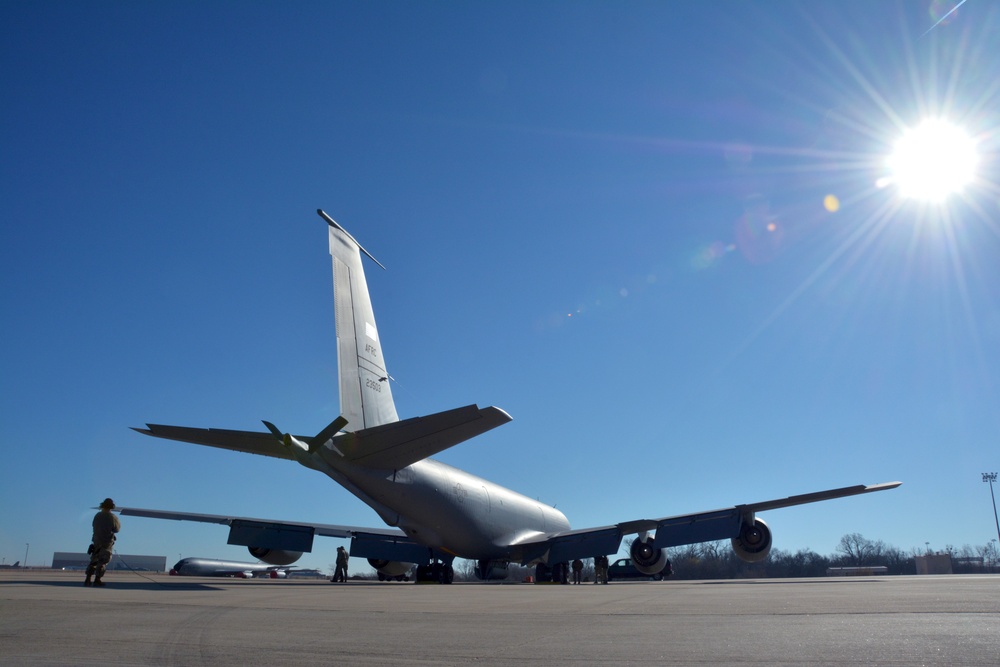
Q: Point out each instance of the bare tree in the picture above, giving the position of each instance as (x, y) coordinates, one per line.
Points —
(856, 549)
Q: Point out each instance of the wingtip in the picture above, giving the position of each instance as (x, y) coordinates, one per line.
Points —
(882, 486)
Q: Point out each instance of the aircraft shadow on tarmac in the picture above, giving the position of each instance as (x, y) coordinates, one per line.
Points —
(119, 585)
(777, 582)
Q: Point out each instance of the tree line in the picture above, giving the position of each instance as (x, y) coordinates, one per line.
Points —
(716, 560)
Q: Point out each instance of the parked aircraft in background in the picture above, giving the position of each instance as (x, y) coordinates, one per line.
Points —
(210, 567)
(436, 512)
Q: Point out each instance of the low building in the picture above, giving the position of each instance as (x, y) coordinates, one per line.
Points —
(934, 564)
(863, 571)
(64, 560)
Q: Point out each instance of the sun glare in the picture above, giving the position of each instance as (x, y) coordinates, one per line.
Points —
(932, 161)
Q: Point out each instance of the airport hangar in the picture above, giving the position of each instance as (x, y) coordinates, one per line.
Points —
(65, 560)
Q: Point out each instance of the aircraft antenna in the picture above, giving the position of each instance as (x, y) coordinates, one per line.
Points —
(333, 223)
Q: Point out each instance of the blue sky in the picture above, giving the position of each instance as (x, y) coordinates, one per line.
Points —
(572, 202)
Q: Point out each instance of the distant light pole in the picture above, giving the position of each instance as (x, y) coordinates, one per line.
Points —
(992, 477)
(26, 545)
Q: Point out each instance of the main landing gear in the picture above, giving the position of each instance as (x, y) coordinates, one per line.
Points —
(558, 573)
(435, 573)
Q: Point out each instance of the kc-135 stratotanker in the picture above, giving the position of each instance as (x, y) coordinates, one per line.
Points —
(436, 512)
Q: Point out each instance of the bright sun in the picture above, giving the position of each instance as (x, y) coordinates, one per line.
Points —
(932, 161)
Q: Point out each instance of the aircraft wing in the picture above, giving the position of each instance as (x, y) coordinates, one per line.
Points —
(378, 543)
(673, 531)
(320, 529)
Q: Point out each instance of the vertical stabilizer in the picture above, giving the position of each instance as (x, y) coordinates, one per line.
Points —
(365, 394)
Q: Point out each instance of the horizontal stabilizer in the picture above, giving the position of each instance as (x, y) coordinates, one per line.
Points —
(392, 446)
(397, 445)
(252, 442)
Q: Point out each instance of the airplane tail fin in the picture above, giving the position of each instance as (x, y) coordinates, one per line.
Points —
(365, 394)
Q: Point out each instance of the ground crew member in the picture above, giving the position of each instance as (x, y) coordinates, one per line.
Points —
(600, 569)
(106, 526)
(577, 571)
(340, 574)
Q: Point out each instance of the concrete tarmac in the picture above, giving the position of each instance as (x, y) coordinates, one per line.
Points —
(49, 618)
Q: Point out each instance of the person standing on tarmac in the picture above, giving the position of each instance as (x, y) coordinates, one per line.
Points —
(340, 574)
(600, 569)
(577, 571)
(106, 526)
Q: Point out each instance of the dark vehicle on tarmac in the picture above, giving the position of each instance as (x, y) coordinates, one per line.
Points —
(624, 569)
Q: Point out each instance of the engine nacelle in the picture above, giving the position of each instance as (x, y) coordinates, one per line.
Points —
(274, 556)
(491, 570)
(646, 559)
(753, 544)
(389, 569)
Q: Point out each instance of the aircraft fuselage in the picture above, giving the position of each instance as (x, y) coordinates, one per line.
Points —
(212, 567)
(444, 507)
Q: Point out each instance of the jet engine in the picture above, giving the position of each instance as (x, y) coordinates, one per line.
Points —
(754, 541)
(274, 556)
(390, 569)
(491, 570)
(646, 559)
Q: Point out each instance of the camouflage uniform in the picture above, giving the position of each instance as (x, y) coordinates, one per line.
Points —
(600, 569)
(106, 525)
(340, 574)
